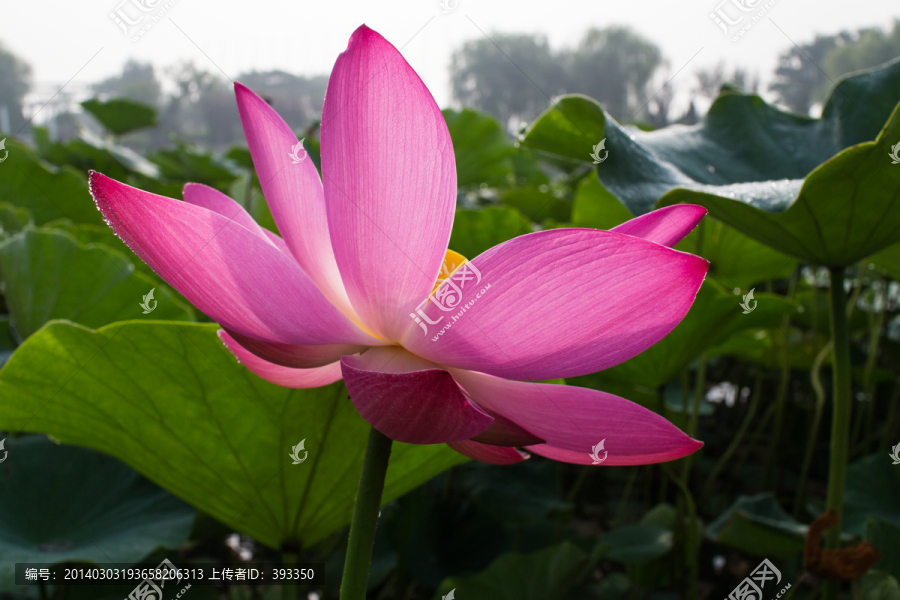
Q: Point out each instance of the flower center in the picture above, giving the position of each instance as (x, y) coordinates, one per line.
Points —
(452, 261)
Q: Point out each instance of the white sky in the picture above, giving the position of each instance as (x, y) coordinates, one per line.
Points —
(59, 37)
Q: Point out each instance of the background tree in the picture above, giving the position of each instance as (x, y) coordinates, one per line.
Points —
(710, 80)
(614, 65)
(297, 99)
(513, 79)
(805, 76)
(15, 81)
(494, 80)
(137, 82)
(799, 80)
(864, 49)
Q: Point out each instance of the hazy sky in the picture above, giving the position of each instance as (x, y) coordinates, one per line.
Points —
(59, 38)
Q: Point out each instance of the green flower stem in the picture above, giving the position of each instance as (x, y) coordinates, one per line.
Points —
(289, 592)
(842, 408)
(699, 392)
(365, 517)
(819, 390)
(689, 528)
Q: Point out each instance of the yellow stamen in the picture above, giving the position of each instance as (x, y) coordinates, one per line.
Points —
(452, 261)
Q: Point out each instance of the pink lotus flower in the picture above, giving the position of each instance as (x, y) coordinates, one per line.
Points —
(348, 291)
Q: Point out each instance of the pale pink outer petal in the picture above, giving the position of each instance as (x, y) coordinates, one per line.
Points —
(390, 182)
(295, 357)
(214, 200)
(495, 455)
(576, 419)
(561, 303)
(230, 274)
(409, 399)
(279, 375)
(666, 226)
(293, 192)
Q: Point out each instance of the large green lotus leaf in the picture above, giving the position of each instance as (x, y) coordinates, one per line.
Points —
(741, 139)
(48, 275)
(172, 402)
(764, 347)
(475, 231)
(89, 151)
(542, 575)
(736, 260)
(889, 260)
(596, 207)
(481, 148)
(872, 490)
(65, 503)
(714, 316)
(878, 585)
(758, 525)
(885, 537)
(569, 129)
(48, 192)
(635, 544)
(845, 210)
(815, 310)
(120, 115)
(98, 234)
(537, 205)
(186, 163)
(13, 218)
(130, 160)
(103, 234)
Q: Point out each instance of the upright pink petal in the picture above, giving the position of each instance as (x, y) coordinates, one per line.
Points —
(495, 455)
(293, 192)
(666, 226)
(240, 280)
(390, 182)
(559, 303)
(279, 375)
(573, 419)
(409, 399)
(296, 357)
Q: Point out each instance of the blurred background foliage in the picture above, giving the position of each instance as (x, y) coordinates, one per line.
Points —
(753, 387)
